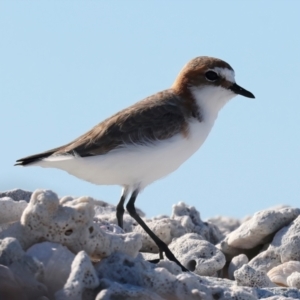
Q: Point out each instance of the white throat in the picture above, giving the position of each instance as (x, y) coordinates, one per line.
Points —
(210, 100)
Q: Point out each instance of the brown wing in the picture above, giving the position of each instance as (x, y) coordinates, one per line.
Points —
(158, 117)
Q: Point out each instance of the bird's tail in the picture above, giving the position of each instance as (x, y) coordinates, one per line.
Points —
(34, 158)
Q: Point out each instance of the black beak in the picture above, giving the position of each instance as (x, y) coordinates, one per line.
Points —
(240, 91)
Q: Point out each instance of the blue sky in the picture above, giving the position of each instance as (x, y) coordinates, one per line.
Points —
(67, 65)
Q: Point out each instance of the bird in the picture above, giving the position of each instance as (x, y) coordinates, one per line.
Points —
(149, 139)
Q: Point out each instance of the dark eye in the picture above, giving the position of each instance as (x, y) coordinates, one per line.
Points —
(211, 75)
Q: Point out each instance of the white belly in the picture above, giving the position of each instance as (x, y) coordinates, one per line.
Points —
(134, 165)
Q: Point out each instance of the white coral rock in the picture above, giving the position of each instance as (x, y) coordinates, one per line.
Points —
(248, 276)
(140, 277)
(279, 298)
(225, 224)
(198, 255)
(83, 276)
(10, 251)
(294, 280)
(189, 218)
(280, 273)
(254, 231)
(56, 260)
(10, 210)
(236, 263)
(70, 223)
(114, 290)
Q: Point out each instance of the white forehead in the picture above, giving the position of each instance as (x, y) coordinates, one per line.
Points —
(225, 73)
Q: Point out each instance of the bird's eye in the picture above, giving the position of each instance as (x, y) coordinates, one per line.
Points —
(211, 76)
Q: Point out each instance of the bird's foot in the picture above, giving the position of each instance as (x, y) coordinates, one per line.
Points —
(170, 256)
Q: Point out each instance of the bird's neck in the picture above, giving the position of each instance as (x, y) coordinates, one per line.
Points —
(210, 100)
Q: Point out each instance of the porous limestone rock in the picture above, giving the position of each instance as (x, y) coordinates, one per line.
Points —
(165, 228)
(258, 229)
(286, 242)
(279, 298)
(247, 276)
(190, 219)
(236, 263)
(28, 272)
(19, 272)
(198, 255)
(114, 290)
(123, 277)
(105, 213)
(265, 260)
(225, 224)
(142, 276)
(53, 231)
(17, 195)
(284, 247)
(229, 251)
(10, 251)
(236, 292)
(184, 219)
(70, 224)
(82, 277)
(281, 293)
(161, 227)
(171, 266)
(109, 217)
(108, 227)
(10, 210)
(294, 280)
(9, 287)
(56, 260)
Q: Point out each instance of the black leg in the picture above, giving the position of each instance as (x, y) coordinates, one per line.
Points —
(120, 210)
(161, 245)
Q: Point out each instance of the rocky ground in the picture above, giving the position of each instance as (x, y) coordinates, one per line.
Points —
(71, 248)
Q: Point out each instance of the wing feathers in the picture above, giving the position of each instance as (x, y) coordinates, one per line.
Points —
(157, 117)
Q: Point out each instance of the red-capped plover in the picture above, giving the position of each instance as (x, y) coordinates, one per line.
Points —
(151, 138)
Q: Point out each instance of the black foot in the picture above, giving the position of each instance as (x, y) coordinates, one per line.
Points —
(163, 248)
(172, 257)
(154, 261)
(183, 269)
